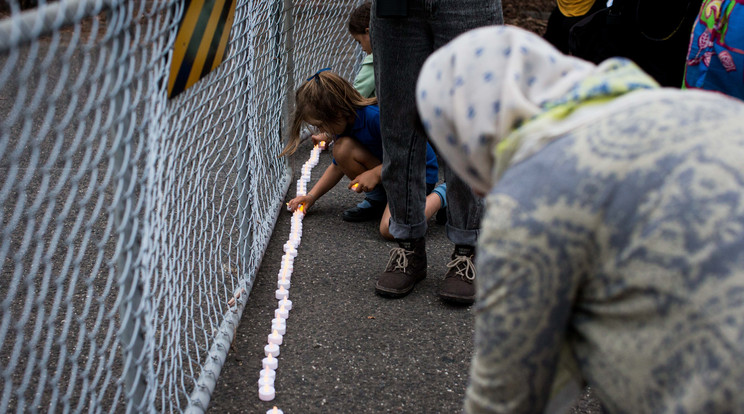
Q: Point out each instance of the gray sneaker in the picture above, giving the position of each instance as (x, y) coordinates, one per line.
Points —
(458, 285)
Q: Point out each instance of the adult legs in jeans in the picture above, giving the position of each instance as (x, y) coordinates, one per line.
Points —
(401, 45)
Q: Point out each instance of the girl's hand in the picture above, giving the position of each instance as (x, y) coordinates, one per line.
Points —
(321, 137)
(366, 181)
(307, 200)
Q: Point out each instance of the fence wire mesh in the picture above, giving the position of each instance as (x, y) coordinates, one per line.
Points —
(127, 220)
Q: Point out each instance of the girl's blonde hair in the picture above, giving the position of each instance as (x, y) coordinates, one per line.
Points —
(324, 99)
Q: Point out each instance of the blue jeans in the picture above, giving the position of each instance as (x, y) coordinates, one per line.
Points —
(400, 46)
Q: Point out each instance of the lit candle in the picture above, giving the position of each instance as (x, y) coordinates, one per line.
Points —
(267, 372)
(271, 349)
(355, 186)
(265, 380)
(281, 312)
(286, 303)
(266, 393)
(275, 411)
(282, 329)
(279, 325)
(275, 338)
(284, 274)
(270, 362)
(281, 293)
(283, 283)
(322, 144)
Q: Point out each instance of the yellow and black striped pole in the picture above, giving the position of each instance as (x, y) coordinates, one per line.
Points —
(200, 42)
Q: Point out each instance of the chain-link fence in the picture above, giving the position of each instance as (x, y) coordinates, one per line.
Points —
(127, 220)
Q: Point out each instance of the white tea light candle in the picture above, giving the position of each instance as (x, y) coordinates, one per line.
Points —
(281, 329)
(281, 312)
(272, 349)
(270, 362)
(266, 393)
(286, 303)
(266, 372)
(266, 380)
(281, 293)
(275, 338)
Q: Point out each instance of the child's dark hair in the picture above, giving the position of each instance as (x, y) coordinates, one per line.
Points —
(324, 99)
(359, 19)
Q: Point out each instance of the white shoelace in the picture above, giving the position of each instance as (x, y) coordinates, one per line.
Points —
(464, 267)
(399, 256)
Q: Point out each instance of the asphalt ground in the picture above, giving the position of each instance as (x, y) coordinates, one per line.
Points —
(347, 350)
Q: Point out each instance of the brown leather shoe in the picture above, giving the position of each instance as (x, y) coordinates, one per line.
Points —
(406, 267)
(458, 285)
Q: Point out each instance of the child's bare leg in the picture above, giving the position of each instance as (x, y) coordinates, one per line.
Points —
(352, 157)
(385, 225)
(433, 204)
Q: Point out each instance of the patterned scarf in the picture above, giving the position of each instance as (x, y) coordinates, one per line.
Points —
(495, 95)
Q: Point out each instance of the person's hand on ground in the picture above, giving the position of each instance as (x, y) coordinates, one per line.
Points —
(307, 200)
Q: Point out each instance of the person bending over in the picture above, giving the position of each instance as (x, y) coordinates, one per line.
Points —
(613, 238)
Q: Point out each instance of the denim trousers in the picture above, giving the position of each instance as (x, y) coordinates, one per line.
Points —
(400, 46)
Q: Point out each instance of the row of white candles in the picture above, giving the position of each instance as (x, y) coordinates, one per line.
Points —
(266, 390)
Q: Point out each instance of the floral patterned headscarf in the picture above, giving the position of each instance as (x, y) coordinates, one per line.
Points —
(494, 95)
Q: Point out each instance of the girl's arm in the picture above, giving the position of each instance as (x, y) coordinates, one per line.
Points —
(328, 180)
